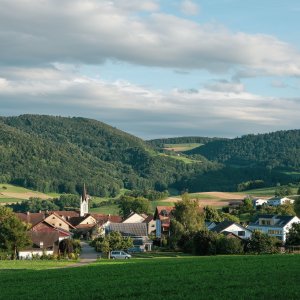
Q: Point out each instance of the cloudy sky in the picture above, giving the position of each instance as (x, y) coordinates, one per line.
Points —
(154, 68)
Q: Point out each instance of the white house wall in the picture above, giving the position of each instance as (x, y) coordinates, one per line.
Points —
(235, 229)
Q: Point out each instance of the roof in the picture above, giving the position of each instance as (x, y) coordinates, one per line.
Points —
(231, 234)
(281, 221)
(66, 213)
(222, 226)
(64, 220)
(163, 212)
(129, 229)
(48, 238)
(101, 218)
(62, 232)
(32, 218)
(148, 219)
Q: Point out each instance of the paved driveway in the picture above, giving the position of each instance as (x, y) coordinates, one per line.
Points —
(88, 253)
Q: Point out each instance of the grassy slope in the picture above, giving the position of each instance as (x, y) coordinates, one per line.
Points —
(181, 147)
(231, 277)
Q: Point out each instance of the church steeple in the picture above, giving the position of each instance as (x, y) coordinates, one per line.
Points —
(84, 202)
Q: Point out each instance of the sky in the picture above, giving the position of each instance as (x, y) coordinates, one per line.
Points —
(154, 68)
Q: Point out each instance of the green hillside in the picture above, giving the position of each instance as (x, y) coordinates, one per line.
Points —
(279, 149)
(56, 154)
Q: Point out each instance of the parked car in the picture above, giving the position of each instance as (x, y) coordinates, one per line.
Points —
(119, 254)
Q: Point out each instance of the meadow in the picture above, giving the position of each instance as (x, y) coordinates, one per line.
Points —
(214, 277)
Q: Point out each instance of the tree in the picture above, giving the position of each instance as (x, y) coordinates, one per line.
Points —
(112, 241)
(282, 191)
(293, 236)
(205, 242)
(129, 204)
(297, 206)
(67, 202)
(227, 245)
(261, 243)
(13, 232)
(212, 215)
(176, 233)
(188, 214)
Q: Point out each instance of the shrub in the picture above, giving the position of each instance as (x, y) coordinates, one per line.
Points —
(261, 243)
(205, 243)
(227, 245)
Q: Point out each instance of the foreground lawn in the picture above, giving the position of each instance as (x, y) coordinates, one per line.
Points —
(31, 265)
(219, 277)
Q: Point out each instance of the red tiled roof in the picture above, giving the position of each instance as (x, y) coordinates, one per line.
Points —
(66, 213)
(31, 218)
(48, 238)
(100, 218)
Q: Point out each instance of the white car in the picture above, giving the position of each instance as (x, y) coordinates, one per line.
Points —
(119, 254)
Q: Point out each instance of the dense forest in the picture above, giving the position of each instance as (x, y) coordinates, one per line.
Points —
(58, 154)
(279, 149)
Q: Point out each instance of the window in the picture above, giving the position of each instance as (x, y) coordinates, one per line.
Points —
(271, 231)
(241, 233)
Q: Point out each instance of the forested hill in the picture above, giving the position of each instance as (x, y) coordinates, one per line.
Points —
(49, 153)
(278, 149)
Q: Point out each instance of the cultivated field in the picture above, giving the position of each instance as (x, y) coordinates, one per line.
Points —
(214, 277)
(215, 199)
(11, 193)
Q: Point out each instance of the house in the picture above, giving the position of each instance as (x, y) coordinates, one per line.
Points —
(162, 216)
(51, 218)
(135, 218)
(136, 231)
(259, 202)
(151, 224)
(210, 225)
(276, 201)
(31, 218)
(42, 243)
(230, 227)
(274, 225)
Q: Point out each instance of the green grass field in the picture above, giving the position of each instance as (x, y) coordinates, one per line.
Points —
(182, 158)
(267, 192)
(32, 264)
(214, 277)
(181, 147)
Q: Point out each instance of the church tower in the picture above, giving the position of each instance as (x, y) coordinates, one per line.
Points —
(84, 202)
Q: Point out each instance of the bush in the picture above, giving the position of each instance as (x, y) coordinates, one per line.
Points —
(227, 245)
(205, 243)
(261, 243)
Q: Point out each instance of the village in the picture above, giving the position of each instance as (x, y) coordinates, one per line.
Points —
(48, 229)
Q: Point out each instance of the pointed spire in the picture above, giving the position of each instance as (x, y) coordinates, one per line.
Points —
(84, 193)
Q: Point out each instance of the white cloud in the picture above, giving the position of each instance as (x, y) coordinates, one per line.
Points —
(189, 7)
(90, 32)
(137, 109)
(225, 86)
